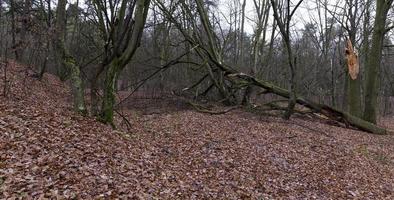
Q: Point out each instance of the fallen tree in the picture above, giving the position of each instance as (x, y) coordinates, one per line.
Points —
(203, 109)
(325, 110)
(210, 53)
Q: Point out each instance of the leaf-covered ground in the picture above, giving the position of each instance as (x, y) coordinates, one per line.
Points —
(46, 151)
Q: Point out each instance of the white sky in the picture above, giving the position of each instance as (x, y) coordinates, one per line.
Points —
(300, 18)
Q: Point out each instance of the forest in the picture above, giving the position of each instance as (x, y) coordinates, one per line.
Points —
(196, 99)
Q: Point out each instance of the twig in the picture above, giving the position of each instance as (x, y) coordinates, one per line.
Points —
(142, 82)
(128, 124)
(203, 109)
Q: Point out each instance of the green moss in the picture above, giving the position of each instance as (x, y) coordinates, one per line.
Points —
(107, 112)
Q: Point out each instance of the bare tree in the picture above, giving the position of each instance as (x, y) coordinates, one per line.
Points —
(121, 24)
(262, 8)
(283, 18)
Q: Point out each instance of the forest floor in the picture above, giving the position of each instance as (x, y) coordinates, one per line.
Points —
(174, 152)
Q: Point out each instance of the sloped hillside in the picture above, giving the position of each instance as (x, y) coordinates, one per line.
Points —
(47, 151)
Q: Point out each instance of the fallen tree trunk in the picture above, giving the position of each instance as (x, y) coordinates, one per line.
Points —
(325, 110)
(212, 53)
(203, 109)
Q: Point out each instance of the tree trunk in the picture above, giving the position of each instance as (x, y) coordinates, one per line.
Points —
(23, 43)
(354, 85)
(327, 111)
(354, 96)
(374, 60)
(107, 108)
(77, 85)
(259, 38)
(13, 29)
(241, 41)
(129, 23)
(284, 28)
(293, 97)
(333, 84)
(246, 97)
(94, 97)
(66, 60)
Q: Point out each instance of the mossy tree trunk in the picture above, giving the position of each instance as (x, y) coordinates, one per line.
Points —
(325, 110)
(374, 61)
(122, 37)
(107, 108)
(66, 61)
(77, 86)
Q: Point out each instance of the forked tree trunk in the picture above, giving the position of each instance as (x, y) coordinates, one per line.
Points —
(128, 28)
(284, 28)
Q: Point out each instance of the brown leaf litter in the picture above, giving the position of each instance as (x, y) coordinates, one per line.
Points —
(47, 151)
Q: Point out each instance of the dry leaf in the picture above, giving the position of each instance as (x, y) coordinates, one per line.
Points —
(180, 154)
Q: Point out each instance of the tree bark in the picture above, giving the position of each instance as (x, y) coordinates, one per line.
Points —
(284, 27)
(131, 24)
(237, 78)
(374, 61)
(66, 60)
(326, 110)
(354, 96)
(107, 108)
(354, 85)
(354, 88)
(13, 29)
(262, 9)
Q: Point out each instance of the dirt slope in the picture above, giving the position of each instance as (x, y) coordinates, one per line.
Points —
(46, 151)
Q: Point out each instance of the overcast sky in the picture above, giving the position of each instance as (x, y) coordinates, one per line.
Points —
(302, 15)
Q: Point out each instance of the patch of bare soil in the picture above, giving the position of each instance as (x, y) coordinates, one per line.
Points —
(46, 151)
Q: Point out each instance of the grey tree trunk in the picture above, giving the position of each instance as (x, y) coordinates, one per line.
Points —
(262, 8)
(283, 19)
(66, 60)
